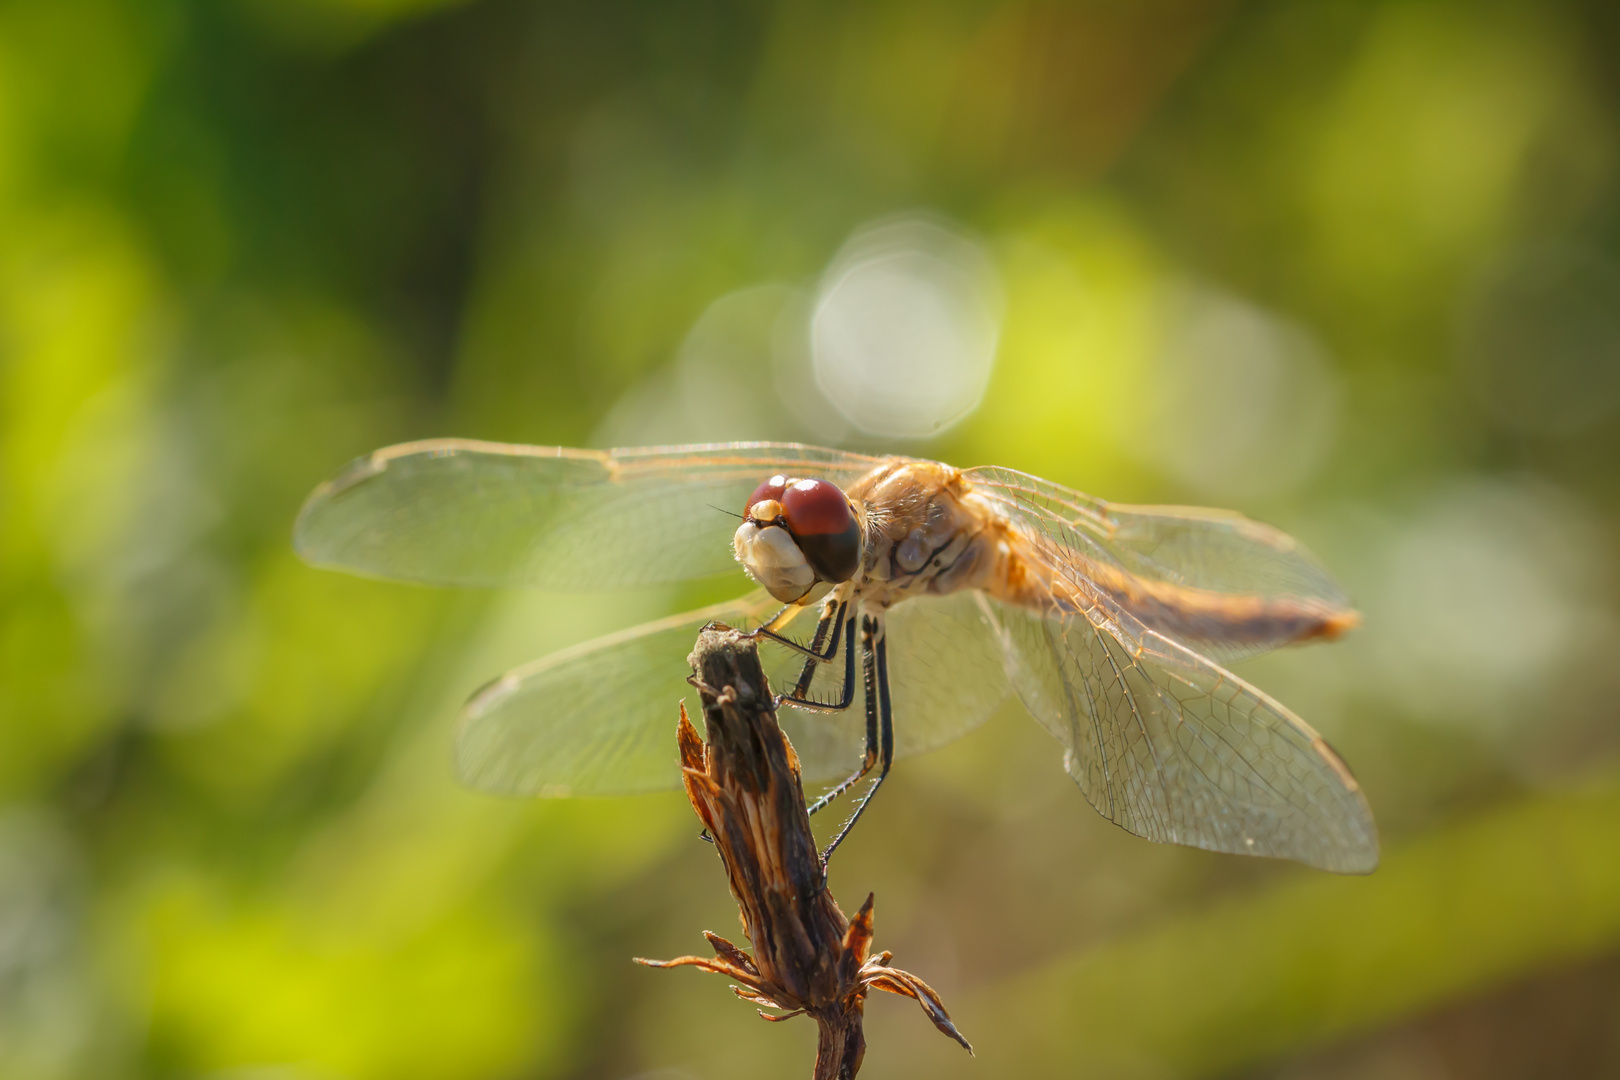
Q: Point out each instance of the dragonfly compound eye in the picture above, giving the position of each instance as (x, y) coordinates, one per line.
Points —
(821, 520)
(770, 491)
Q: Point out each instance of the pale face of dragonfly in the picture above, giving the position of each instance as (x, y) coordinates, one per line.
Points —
(956, 588)
(798, 538)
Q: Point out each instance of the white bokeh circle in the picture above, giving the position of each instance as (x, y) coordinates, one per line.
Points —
(905, 326)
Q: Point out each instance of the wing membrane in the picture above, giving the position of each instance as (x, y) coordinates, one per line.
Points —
(946, 677)
(600, 719)
(1214, 580)
(597, 719)
(460, 512)
(1172, 747)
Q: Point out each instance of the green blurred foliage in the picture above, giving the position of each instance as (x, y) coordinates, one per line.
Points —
(1349, 267)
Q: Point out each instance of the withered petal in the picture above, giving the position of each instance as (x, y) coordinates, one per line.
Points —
(679, 961)
(895, 981)
(715, 966)
(690, 743)
(857, 940)
(752, 994)
(779, 1017)
(731, 952)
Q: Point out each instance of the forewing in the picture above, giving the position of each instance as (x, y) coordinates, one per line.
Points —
(598, 719)
(1172, 747)
(1214, 580)
(460, 512)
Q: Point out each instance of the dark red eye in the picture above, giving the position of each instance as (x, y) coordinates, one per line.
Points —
(770, 489)
(814, 508)
(820, 519)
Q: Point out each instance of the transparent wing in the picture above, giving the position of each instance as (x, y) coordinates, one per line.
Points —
(1212, 579)
(1172, 747)
(946, 677)
(600, 719)
(459, 512)
(597, 719)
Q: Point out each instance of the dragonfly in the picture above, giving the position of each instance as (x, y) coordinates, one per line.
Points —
(948, 591)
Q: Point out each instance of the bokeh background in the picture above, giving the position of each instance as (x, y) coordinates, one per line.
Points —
(1348, 267)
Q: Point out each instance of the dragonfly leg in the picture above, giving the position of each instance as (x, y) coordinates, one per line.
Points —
(870, 757)
(879, 724)
(808, 675)
(800, 694)
(831, 619)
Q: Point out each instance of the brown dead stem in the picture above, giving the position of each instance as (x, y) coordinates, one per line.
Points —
(808, 957)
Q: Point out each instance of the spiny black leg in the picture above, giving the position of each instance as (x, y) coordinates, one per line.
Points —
(799, 698)
(801, 689)
(869, 758)
(879, 722)
(831, 617)
(808, 675)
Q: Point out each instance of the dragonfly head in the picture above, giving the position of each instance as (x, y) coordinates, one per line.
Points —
(797, 535)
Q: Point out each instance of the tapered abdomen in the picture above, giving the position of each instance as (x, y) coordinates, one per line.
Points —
(1226, 624)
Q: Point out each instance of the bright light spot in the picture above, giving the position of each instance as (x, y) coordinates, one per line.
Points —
(1481, 600)
(721, 386)
(904, 332)
(1248, 402)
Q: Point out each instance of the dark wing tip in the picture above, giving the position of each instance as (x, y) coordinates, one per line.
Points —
(1340, 623)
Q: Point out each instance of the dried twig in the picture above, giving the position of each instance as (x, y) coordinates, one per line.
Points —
(744, 784)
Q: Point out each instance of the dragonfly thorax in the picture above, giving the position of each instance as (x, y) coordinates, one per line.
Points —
(926, 534)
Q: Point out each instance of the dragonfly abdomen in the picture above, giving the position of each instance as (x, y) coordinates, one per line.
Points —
(1235, 622)
(1023, 573)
